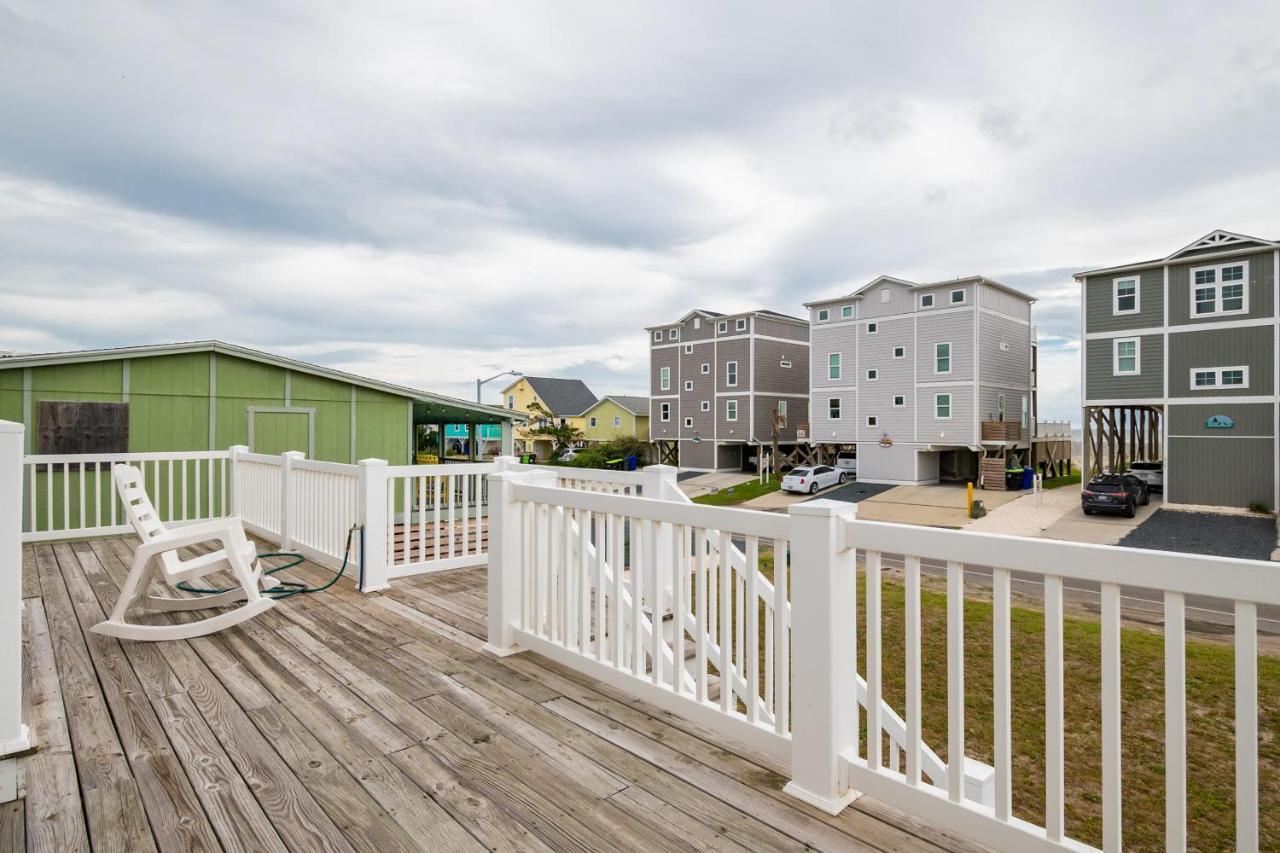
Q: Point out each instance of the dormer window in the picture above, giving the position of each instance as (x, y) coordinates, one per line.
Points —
(926, 300)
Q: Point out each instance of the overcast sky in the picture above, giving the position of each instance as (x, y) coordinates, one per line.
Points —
(426, 192)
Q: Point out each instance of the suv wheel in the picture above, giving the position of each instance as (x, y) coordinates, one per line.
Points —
(1130, 509)
(844, 478)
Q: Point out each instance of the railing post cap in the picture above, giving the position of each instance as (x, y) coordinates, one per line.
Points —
(10, 427)
(823, 508)
(661, 469)
(372, 462)
(294, 454)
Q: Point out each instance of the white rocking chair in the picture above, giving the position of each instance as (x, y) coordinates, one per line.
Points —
(158, 554)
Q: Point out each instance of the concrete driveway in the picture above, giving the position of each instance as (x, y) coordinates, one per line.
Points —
(704, 483)
(1099, 529)
(941, 505)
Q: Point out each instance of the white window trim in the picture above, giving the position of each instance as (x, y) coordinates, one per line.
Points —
(1217, 377)
(846, 312)
(1002, 407)
(688, 349)
(876, 371)
(730, 410)
(734, 383)
(723, 328)
(884, 295)
(664, 412)
(837, 366)
(839, 407)
(936, 399)
(617, 421)
(873, 328)
(1137, 357)
(896, 398)
(706, 368)
(740, 325)
(785, 363)
(925, 296)
(824, 314)
(1217, 290)
(904, 352)
(688, 385)
(673, 335)
(1137, 294)
(706, 405)
(950, 358)
(871, 418)
(592, 421)
(664, 378)
(697, 322)
(964, 297)
(688, 423)
(657, 335)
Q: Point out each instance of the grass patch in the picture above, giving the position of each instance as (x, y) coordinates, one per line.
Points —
(1210, 717)
(1072, 479)
(740, 493)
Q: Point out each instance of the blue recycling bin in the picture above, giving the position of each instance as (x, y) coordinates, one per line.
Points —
(1028, 477)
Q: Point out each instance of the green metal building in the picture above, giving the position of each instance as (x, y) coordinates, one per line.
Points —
(209, 395)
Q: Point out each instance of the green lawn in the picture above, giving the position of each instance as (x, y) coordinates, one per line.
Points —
(1210, 717)
(740, 493)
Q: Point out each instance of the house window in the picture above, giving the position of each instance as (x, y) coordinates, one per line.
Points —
(926, 300)
(823, 315)
(833, 365)
(706, 405)
(899, 352)
(846, 312)
(592, 422)
(511, 401)
(1125, 298)
(884, 294)
(782, 412)
(1204, 378)
(731, 374)
(674, 334)
(833, 408)
(899, 401)
(617, 421)
(730, 410)
(664, 379)
(1000, 407)
(697, 322)
(942, 407)
(1025, 420)
(872, 420)
(688, 349)
(664, 412)
(688, 385)
(785, 363)
(872, 328)
(957, 297)
(872, 374)
(1128, 357)
(942, 357)
(706, 368)
(740, 325)
(1220, 289)
(723, 327)
(688, 423)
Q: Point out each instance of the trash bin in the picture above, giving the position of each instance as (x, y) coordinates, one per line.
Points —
(1028, 477)
(1013, 479)
(631, 463)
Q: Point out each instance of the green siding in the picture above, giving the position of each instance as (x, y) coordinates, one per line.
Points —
(11, 395)
(332, 402)
(382, 426)
(169, 403)
(241, 384)
(277, 432)
(98, 381)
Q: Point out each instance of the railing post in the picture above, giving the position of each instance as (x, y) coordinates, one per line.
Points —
(14, 735)
(372, 498)
(286, 496)
(658, 479)
(824, 692)
(507, 462)
(506, 552)
(236, 451)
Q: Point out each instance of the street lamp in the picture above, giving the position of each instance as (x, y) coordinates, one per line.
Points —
(482, 382)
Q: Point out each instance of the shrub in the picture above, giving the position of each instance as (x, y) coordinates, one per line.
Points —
(1261, 507)
(599, 455)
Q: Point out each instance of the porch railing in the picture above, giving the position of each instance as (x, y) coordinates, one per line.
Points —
(746, 623)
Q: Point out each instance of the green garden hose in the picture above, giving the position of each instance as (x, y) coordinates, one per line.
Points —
(286, 588)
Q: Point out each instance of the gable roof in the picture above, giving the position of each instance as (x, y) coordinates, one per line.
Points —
(857, 294)
(717, 315)
(237, 351)
(978, 279)
(1215, 244)
(562, 397)
(634, 405)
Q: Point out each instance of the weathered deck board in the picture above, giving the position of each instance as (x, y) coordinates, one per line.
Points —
(343, 721)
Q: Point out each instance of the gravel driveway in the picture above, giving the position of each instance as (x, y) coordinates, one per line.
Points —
(1246, 537)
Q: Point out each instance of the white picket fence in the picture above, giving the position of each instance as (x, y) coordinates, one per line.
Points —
(654, 595)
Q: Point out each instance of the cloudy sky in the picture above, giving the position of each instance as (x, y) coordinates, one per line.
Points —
(431, 192)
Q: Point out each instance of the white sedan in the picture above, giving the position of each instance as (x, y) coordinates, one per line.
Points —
(812, 479)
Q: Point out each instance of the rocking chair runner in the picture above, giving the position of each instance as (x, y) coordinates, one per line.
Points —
(158, 555)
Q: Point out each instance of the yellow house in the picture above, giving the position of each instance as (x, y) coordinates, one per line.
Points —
(565, 399)
(616, 416)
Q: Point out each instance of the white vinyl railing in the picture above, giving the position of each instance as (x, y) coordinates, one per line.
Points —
(654, 597)
(436, 517)
(66, 496)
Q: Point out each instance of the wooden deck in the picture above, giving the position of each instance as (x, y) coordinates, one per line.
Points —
(341, 721)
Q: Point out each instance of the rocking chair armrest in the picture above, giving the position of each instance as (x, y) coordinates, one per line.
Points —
(225, 530)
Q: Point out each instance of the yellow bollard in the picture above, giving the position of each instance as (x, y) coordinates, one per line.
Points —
(969, 500)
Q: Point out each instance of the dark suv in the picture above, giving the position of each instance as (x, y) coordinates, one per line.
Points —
(1114, 493)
